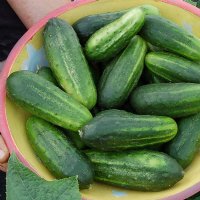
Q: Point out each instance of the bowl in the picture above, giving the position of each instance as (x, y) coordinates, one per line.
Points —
(28, 54)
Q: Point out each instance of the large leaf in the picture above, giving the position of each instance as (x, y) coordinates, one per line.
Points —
(22, 184)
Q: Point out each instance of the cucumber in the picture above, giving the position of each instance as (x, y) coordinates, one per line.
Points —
(123, 75)
(168, 35)
(186, 144)
(172, 67)
(68, 62)
(88, 25)
(114, 130)
(47, 74)
(168, 99)
(57, 153)
(43, 99)
(139, 170)
(112, 38)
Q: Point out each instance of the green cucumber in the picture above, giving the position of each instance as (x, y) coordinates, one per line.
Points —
(139, 170)
(123, 75)
(47, 74)
(168, 35)
(112, 38)
(43, 99)
(186, 144)
(88, 25)
(167, 99)
(115, 130)
(172, 67)
(68, 62)
(57, 153)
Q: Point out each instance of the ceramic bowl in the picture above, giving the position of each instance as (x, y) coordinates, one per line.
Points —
(28, 54)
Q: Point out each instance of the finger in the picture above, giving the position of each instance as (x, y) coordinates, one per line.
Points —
(3, 167)
(4, 153)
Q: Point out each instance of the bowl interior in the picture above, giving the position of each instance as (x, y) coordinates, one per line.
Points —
(32, 55)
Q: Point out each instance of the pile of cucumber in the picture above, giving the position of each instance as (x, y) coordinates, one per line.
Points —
(120, 103)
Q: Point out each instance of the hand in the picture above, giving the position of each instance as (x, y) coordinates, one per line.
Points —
(30, 11)
(4, 155)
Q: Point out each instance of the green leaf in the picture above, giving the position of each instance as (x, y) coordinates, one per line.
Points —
(22, 184)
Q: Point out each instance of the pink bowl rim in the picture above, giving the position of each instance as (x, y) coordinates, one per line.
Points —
(4, 128)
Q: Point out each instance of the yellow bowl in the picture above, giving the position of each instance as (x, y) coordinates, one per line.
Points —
(29, 53)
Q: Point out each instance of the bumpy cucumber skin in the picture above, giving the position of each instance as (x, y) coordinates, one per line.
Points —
(43, 99)
(122, 76)
(167, 99)
(172, 67)
(187, 142)
(57, 153)
(139, 170)
(115, 130)
(47, 74)
(88, 25)
(168, 35)
(112, 38)
(68, 62)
